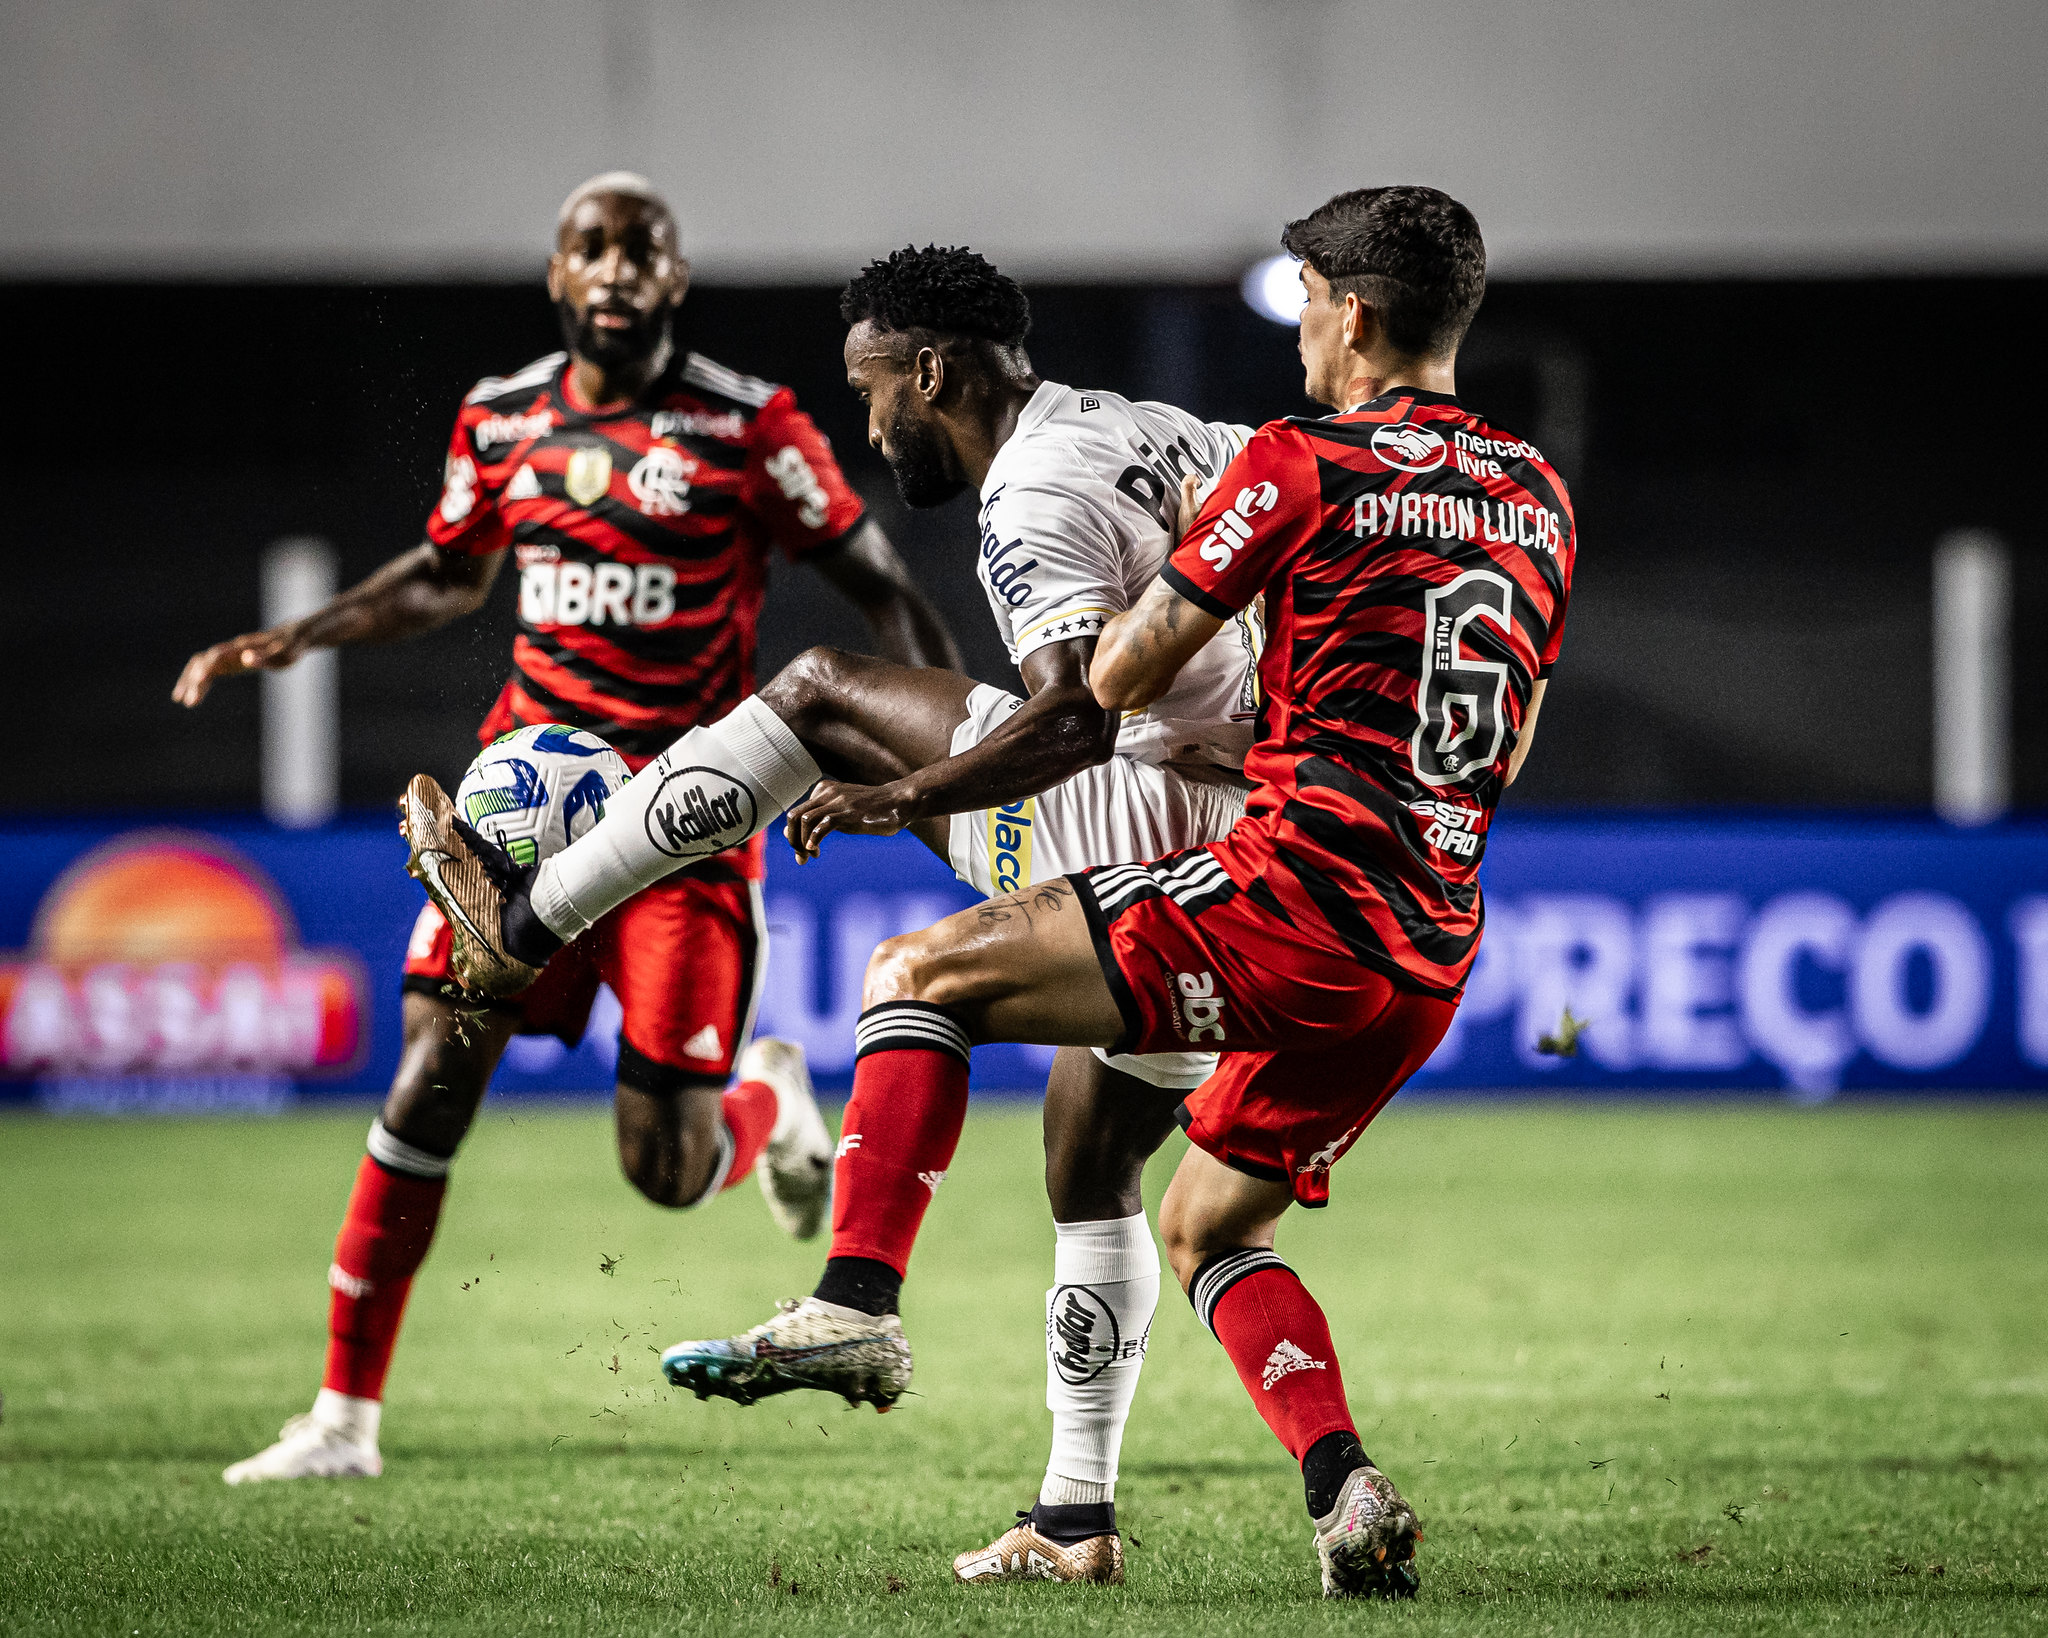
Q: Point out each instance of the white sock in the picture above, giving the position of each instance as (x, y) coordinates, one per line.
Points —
(711, 790)
(1098, 1318)
(356, 1420)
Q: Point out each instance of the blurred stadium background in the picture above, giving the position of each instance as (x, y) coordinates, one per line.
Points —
(1763, 282)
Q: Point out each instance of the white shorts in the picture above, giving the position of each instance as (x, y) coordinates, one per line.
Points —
(1120, 812)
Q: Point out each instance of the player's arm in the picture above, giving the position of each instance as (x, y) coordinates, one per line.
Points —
(1527, 738)
(869, 574)
(1143, 649)
(415, 592)
(1057, 732)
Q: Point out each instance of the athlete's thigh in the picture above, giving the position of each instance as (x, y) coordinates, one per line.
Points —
(867, 719)
(1018, 968)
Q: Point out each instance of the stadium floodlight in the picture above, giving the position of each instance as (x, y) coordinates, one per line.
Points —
(1273, 289)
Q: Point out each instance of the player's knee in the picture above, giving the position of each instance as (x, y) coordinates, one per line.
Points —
(673, 1176)
(901, 969)
(1191, 1237)
(808, 685)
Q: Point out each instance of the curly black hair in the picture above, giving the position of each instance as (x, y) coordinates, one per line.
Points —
(947, 290)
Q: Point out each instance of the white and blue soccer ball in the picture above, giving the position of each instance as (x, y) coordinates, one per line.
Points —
(536, 790)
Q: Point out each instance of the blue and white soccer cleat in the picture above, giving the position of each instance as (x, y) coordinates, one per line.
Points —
(809, 1344)
(795, 1169)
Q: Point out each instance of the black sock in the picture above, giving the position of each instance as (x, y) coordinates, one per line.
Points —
(861, 1283)
(1326, 1465)
(527, 937)
(1076, 1522)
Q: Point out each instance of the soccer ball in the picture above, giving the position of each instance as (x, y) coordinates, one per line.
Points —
(536, 790)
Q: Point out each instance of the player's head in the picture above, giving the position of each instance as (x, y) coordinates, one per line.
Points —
(1399, 270)
(929, 331)
(618, 271)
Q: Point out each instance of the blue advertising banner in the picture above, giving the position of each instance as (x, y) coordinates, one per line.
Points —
(226, 963)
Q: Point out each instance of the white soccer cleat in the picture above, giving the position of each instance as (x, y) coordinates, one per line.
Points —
(309, 1449)
(1366, 1545)
(796, 1166)
(809, 1344)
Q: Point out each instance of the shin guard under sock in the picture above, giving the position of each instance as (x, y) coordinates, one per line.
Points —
(901, 1128)
(1279, 1341)
(384, 1239)
(711, 790)
(1098, 1318)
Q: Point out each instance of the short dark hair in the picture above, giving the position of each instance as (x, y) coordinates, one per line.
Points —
(1414, 253)
(949, 291)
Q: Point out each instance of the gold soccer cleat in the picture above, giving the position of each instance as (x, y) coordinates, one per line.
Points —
(465, 888)
(1021, 1553)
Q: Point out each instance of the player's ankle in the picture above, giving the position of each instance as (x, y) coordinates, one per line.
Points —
(864, 1284)
(356, 1418)
(1079, 1521)
(1325, 1465)
(527, 938)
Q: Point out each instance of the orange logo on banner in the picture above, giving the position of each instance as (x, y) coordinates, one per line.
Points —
(164, 952)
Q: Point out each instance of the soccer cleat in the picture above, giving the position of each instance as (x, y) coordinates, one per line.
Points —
(467, 886)
(308, 1449)
(809, 1344)
(1021, 1553)
(1367, 1542)
(796, 1165)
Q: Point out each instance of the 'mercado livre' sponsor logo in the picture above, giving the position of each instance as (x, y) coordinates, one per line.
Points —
(699, 810)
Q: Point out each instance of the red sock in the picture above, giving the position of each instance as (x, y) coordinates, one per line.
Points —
(384, 1239)
(749, 1111)
(1279, 1341)
(901, 1128)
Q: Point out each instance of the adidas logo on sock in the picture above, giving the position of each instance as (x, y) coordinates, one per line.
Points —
(1284, 1360)
(704, 1044)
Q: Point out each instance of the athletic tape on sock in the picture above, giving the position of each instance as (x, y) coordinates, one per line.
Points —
(1098, 1318)
(396, 1155)
(1116, 1248)
(897, 1026)
(1220, 1273)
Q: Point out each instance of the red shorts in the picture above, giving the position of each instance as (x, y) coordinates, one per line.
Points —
(685, 958)
(1313, 1043)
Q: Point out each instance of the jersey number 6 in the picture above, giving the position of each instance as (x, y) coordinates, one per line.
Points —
(1458, 702)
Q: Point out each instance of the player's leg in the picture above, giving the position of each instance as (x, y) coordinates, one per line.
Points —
(700, 1104)
(1022, 967)
(393, 1207)
(714, 788)
(1101, 1125)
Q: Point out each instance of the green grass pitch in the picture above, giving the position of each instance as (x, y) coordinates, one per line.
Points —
(1642, 1370)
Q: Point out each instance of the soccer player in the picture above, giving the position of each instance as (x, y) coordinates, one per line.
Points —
(1416, 564)
(1078, 491)
(641, 488)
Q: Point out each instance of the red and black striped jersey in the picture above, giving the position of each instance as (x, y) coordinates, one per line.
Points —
(641, 535)
(1416, 564)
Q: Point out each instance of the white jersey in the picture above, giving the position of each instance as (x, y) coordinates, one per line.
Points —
(1077, 516)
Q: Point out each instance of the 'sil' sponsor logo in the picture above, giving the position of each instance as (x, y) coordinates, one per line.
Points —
(697, 811)
(1234, 527)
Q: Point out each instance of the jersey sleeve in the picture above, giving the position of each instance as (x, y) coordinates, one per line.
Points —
(1263, 504)
(794, 484)
(1553, 644)
(1049, 562)
(466, 518)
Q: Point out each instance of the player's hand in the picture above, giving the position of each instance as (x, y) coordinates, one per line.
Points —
(271, 650)
(855, 810)
(1190, 505)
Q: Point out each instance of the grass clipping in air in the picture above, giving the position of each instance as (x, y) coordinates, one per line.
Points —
(1640, 1370)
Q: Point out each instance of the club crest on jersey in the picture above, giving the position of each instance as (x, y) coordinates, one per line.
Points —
(1409, 448)
(660, 481)
(588, 476)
